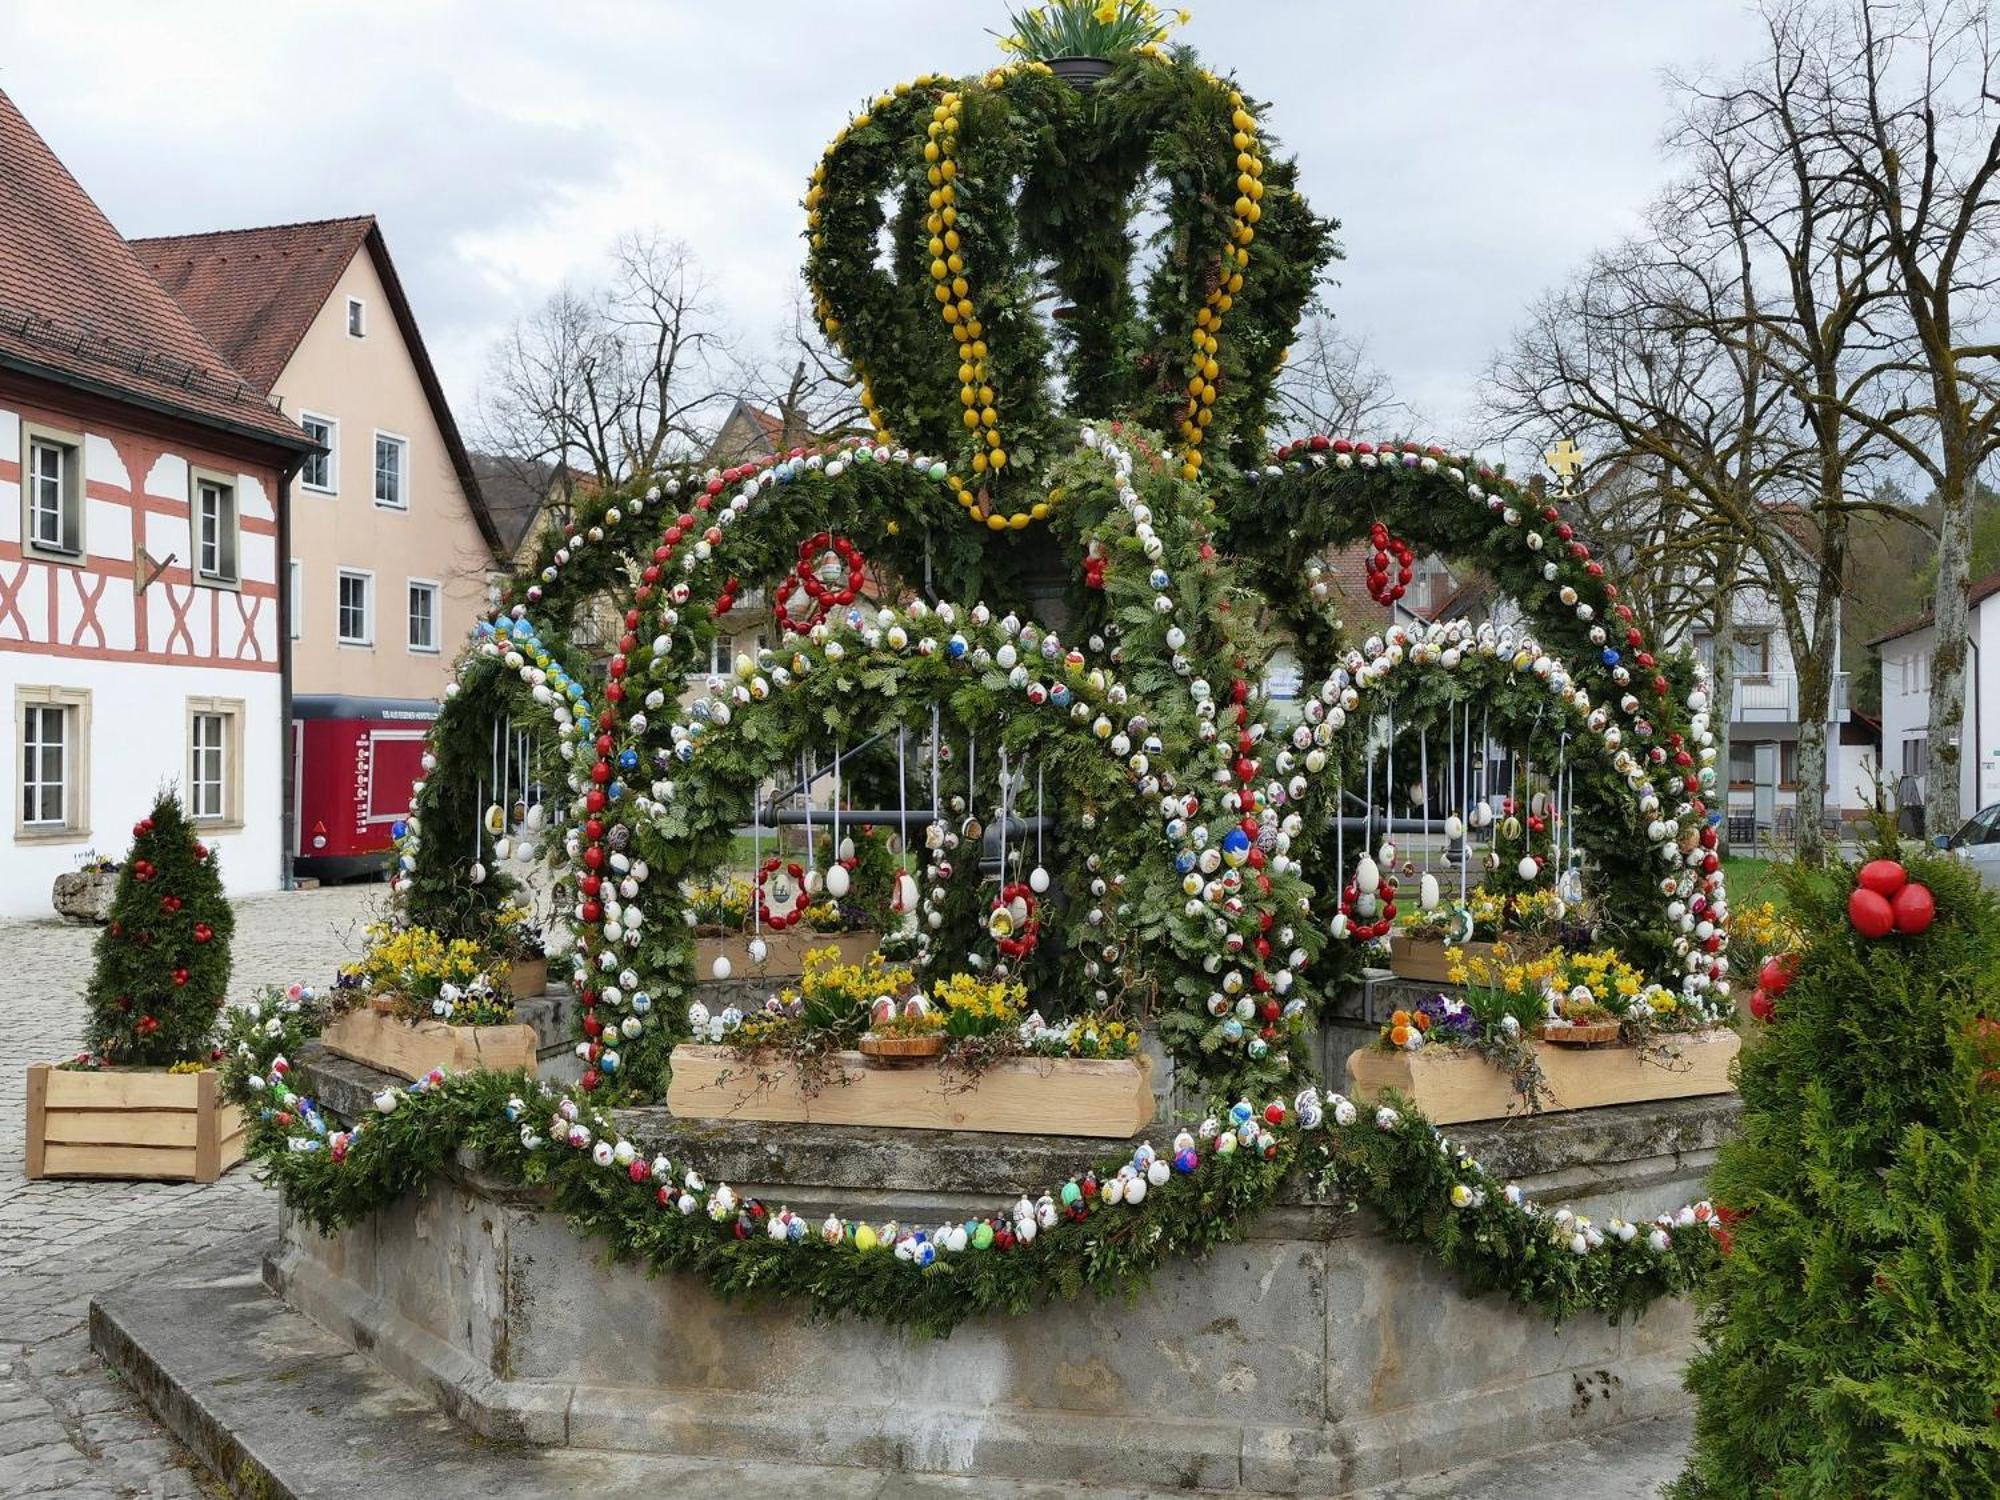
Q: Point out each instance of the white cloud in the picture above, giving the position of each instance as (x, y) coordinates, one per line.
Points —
(1472, 151)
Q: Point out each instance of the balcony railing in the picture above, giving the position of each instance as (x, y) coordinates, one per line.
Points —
(1773, 697)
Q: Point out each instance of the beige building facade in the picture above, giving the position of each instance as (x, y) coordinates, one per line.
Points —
(392, 550)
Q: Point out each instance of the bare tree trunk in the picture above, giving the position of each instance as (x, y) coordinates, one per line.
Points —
(1722, 691)
(1816, 671)
(1943, 810)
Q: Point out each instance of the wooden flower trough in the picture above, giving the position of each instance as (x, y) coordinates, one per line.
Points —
(373, 1035)
(1424, 958)
(170, 1127)
(1451, 1086)
(1021, 1096)
(784, 952)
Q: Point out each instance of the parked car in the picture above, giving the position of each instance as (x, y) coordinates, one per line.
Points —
(1978, 842)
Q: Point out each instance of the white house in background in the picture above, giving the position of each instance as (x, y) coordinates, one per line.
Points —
(1764, 724)
(143, 505)
(1906, 655)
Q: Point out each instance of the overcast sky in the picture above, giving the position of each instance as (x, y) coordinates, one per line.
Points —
(1473, 150)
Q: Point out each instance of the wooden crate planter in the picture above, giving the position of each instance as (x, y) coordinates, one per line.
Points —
(528, 978)
(1454, 1086)
(411, 1049)
(1424, 958)
(170, 1127)
(784, 951)
(1022, 1096)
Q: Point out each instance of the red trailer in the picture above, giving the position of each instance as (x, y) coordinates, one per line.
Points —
(353, 760)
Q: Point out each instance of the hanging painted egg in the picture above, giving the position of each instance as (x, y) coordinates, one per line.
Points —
(721, 968)
(838, 882)
(503, 848)
(1427, 892)
(1454, 827)
(495, 819)
(1367, 876)
(1529, 867)
(477, 874)
(1482, 814)
(1038, 880)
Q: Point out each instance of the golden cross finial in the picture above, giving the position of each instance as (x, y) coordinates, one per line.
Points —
(1566, 459)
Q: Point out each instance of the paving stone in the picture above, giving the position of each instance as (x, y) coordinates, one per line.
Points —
(67, 1427)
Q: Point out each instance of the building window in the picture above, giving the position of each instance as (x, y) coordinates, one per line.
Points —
(1753, 656)
(215, 528)
(356, 608)
(52, 494)
(357, 318)
(1742, 763)
(1788, 763)
(295, 588)
(1917, 757)
(322, 470)
(214, 762)
(423, 615)
(392, 471)
(52, 727)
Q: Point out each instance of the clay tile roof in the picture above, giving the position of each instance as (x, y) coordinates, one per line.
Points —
(255, 292)
(77, 307)
(1977, 592)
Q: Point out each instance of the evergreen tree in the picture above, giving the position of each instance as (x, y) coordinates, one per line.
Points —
(1852, 1333)
(163, 959)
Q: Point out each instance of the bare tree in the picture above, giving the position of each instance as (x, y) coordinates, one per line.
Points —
(804, 382)
(1685, 427)
(601, 384)
(1330, 385)
(1902, 106)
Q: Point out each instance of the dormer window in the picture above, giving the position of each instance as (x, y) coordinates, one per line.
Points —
(357, 318)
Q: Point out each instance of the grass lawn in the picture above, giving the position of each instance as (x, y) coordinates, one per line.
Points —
(1751, 880)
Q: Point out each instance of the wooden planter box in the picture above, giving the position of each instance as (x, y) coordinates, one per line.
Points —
(785, 955)
(170, 1127)
(411, 1049)
(1023, 1096)
(1454, 1086)
(528, 978)
(1423, 958)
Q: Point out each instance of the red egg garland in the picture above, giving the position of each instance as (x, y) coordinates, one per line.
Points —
(1021, 942)
(1381, 587)
(781, 916)
(825, 597)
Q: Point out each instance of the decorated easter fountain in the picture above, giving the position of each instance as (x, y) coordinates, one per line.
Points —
(1048, 621)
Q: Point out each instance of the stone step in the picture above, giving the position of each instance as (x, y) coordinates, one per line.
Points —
(279, 1408)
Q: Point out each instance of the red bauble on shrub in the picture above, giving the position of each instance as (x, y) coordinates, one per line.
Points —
(1869, 912)
(1776, 975)
(1761, 1006)
(1914, 908)
(1884, 877)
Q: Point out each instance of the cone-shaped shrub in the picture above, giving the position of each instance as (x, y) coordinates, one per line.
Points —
(163, 959)
(1852, 1334)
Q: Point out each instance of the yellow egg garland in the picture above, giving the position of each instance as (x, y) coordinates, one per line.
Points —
(1204, 367)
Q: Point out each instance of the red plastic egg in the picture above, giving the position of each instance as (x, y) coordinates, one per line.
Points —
(1761, 1005)
(1869, 913)
(1884, 877)
(1914, 908)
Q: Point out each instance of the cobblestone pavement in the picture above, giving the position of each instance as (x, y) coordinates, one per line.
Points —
(67, 1425)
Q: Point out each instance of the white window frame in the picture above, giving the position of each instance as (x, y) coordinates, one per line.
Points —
(227, 715)
(357, 318)
(295, 588)
(402, 500)
(72, 550)
(332, 426)
(228, 569)
(74, 706)
(366, 576)
(436, 591)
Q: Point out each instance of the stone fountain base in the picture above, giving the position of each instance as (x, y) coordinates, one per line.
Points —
(1312, 1358)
